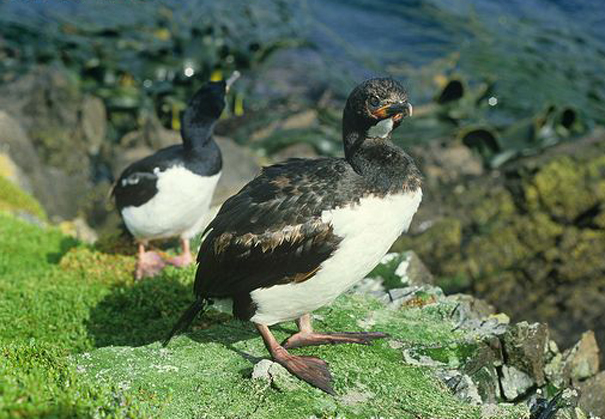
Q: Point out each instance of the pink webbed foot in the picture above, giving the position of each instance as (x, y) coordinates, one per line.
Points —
(148, 264)
(185, 258)
(310, 369)
(181, 261)
(301, 339)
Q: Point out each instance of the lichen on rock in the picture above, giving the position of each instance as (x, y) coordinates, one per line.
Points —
(529, 240)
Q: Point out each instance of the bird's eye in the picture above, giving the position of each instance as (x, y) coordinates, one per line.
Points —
(374, 101)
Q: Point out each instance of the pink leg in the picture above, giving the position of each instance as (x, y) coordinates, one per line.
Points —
(185, 258)
(307, 337)
(310, 369)
(148, 263)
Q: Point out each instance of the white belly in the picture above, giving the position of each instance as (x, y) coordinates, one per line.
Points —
(368, 231)
(179, 208)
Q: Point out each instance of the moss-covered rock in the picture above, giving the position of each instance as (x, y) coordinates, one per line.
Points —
(14, 200)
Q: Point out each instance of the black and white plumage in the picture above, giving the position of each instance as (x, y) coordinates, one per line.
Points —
(305, 231)
(168, 194)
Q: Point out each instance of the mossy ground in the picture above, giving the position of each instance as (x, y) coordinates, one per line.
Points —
(64, 305)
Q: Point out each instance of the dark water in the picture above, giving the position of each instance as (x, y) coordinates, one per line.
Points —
(537, 51)
(532, 53)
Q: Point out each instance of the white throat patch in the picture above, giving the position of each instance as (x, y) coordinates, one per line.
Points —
(381, 129)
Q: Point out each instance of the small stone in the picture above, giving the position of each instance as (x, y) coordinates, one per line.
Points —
(261, 370)
(397, 293)
(592, 399)
(413, 271)
(389, 257)
(582, 360)
(554, 371)
(514, 382)
(94, 123)
(524, 348)
(552, 347)
(369, 285)
(275, 374)
(467, 390)
(353, 397)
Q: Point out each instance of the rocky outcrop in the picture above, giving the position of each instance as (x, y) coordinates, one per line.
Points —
(529, 238)
(52, 130)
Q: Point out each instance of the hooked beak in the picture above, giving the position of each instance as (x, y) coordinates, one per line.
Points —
(234, 76)
(395, 110)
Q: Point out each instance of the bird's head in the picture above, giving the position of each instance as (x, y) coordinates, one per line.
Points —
(374, 109)
(207, 103)
(205, 108)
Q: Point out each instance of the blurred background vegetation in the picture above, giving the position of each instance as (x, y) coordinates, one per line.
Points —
(508, 96)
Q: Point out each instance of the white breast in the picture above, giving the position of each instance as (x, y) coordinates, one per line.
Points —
(179, 208)
(368, 230)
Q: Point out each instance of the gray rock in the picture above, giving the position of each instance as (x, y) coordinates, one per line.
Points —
(275, 375)
(369, 285)
(446, 162)
(514, 382)
(60, 193)
(582, 360)
(524, 346)
(467, 390)
(592, 399)
(415, 295)
(12, 172)
(151, 134)
(240, 165)
(94, 123)
(413, 271)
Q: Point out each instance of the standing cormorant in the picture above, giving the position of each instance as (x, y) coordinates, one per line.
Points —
(305, 231)
(168, 194)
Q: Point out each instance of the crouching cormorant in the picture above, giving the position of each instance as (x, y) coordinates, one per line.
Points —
(168, 194)
(305, 231)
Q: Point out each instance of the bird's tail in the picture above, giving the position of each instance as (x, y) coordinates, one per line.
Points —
(185, 320)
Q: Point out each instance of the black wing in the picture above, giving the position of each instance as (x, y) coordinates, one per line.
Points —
(138, 182)
(271, 232)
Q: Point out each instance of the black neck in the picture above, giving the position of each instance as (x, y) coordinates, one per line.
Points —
(372, 156)
(385, 166)
(196, 136)
(365, 154)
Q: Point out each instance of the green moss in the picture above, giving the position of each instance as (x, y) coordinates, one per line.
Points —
(454, 355)
(39, 380)
(209, 370)
(386, 271)
(560, 189)
(499, 206)
(13, 199)
(61, 298)
(489, 254)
